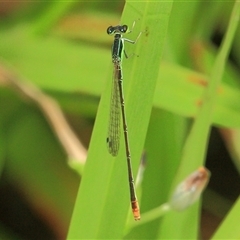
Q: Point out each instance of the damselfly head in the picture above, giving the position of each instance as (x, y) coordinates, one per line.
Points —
(117, 29)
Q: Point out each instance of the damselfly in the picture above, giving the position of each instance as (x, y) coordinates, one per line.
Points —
(117, 106)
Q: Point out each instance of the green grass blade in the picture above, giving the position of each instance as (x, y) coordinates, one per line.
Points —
(103, 201)
(229, 229)
(163, 148)
(199, 133)
(192, 156)
(181, 85)
(196, 143)
(175, 84)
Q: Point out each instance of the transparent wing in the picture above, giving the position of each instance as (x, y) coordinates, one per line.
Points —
(113, 139)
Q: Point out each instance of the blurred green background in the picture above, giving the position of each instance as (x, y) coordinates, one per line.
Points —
(63, 49)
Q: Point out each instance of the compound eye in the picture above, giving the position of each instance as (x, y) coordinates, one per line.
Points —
(124, 28)
(110, 30)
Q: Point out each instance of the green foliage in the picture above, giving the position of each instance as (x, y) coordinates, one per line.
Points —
(98, 209)
(70, 65)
